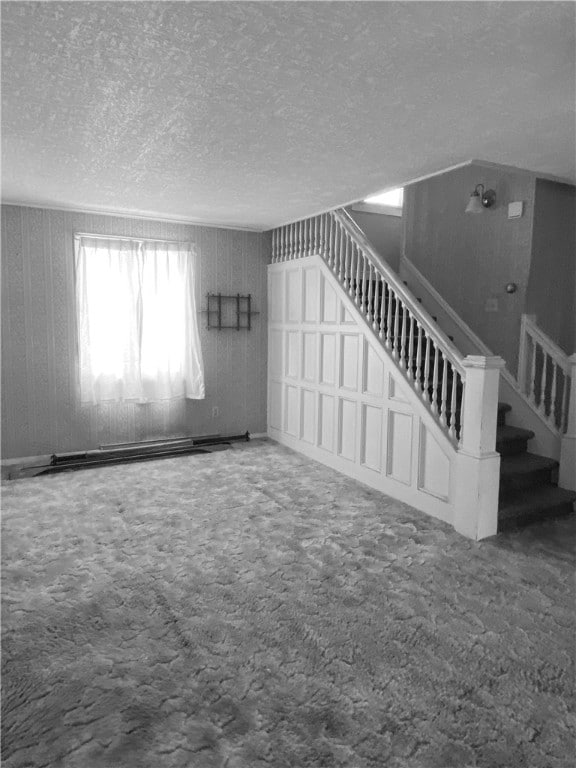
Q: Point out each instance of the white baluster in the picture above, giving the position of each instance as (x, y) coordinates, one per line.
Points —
(330, 240)
(347, 263)
(389, 319)
(410, 367)
(334, 246)
(532, 394)
(315, 245)
(426, 384)
(434, 405)
(341, 252)
(452, 430)
(382, 308)
(402, 359)
(396, 336)
(364, 300)
(351, 270)
(444, 392)
(358, 289)
(300, 240)
(369, 304)
(542, 404)
(418, 372)
(553, 404)
(283, 246)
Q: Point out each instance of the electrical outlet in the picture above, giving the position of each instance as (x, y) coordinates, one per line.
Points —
(491, 305)
(215, 412)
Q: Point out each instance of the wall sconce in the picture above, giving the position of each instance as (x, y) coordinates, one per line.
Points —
(480, 199)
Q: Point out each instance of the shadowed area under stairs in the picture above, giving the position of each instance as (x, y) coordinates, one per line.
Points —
(252, 608)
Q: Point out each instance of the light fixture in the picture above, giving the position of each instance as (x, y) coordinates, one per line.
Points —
(480, 199)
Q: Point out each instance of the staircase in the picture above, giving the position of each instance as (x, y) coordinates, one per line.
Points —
(459, 392)
(528, 482)
(528, 489)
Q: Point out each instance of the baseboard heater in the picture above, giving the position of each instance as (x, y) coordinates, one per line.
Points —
(121, 453)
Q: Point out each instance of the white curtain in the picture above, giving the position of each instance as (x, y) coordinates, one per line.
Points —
(137, 322)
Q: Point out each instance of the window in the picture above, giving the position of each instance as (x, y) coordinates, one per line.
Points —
(389, 203)
(392, 199)
(137, 323)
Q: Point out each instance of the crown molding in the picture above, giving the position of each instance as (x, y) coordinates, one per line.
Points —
(146, 216)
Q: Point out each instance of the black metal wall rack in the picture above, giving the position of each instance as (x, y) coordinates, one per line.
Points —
(233, 312)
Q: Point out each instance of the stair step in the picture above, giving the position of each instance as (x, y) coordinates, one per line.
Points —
(524, 470)
(524, 463)
(512, 440)
(534, 505)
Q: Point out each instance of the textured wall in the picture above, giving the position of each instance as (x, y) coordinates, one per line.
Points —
(40, 408)
(552, 283)
(470, 258)
(384, 232)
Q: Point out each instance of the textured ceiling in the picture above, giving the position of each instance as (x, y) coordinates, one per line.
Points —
(258, 113)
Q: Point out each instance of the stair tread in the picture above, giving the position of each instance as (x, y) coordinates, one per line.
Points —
(506, 432)
(535, 500)
(504, 407)
(524, 463)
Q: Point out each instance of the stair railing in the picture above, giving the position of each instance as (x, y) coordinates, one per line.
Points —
(544, 374)
(429, 360)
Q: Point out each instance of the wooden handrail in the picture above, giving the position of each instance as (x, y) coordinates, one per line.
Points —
(425, 320)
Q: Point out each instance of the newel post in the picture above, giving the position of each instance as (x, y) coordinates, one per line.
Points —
(567, 471)
(478, 464)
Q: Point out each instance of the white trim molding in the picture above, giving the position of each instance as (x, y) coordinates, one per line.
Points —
(124, 214)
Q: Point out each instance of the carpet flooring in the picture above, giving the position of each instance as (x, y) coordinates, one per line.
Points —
(254, 609)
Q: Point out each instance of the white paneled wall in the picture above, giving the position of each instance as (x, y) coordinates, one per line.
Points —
(336, 395)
